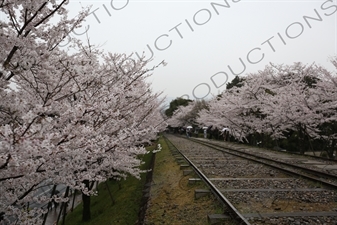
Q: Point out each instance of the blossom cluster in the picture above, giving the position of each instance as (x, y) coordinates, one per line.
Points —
(66, 116)
(281, 102)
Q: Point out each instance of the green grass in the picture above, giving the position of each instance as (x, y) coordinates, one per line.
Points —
(127, 195)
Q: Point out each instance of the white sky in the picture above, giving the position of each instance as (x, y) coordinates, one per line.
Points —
(195, 57)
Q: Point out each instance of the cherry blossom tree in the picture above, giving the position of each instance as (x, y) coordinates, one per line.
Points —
(179, 117)
(27, 43)
(85, 128)
(28, 36)
(72, 118)
(186, 115)
(233, 109)
(326, 88)
(291, 104)
(280, 101)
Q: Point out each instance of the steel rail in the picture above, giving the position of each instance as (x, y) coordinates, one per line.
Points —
(234, 213)
(309, 171)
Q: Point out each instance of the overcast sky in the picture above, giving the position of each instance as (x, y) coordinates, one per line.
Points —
(203, 41)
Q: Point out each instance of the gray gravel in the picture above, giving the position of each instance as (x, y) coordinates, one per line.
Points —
(215, 164)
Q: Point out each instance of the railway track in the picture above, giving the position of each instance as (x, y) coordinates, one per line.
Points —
(261, 187)
(287, 163)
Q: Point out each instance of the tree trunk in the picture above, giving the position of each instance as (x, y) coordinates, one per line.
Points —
(65, 206)
(301, 139)
(112, 199)
(86, 214)
(73, 204)
(49, 205)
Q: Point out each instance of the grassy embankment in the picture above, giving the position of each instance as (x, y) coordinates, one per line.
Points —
(127, 196)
